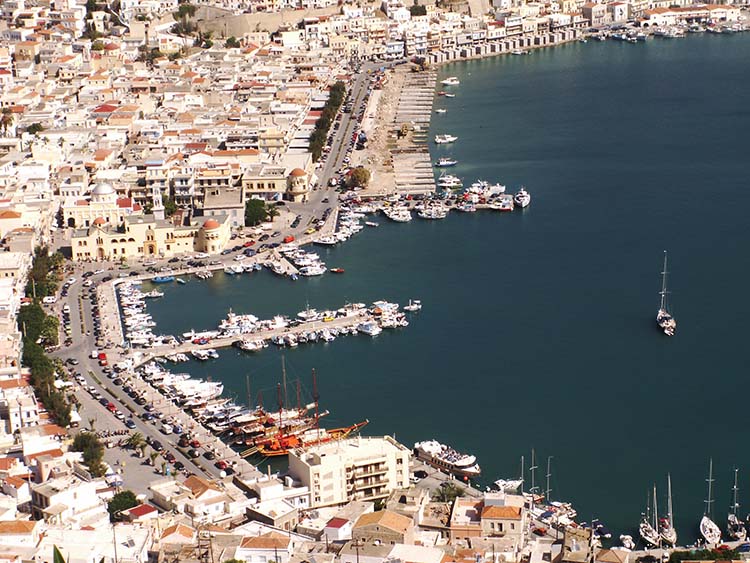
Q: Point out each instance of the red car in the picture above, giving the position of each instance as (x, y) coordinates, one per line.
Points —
(111, 407)
(195, 444)
(249, 243)
(221, 464)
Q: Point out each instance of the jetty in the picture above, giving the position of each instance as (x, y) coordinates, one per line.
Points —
(225, 341)
(412, 166)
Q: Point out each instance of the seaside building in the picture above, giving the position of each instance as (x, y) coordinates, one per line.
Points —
(361, 468)
(144, 236)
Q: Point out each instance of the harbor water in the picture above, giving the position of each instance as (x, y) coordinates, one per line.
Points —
(538, 327)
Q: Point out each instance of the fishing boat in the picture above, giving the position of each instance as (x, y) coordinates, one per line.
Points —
(522, 198)
(667, 530)
(337, 270)
(372, 224)
(449, 95)
(450, 81)
(180, 281)
(647, 527)
(708, 528)
(447, 459)
(663, 317)
(444, 139)
(441, 110)
(163, 279)
(445, 162)
(735, 527)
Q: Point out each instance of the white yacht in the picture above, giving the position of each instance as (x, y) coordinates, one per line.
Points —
(398, 214)
(451, 81)
(708, 528)
(369, 328)
(522, 198)
(313, 270)
(447, 459)
(413, 306)
(252, 345)
(441, 110)
(663, 317)
(445, 161)
(449, 182)
(443, 139)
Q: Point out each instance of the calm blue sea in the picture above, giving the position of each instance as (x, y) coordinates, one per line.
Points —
(538, 327)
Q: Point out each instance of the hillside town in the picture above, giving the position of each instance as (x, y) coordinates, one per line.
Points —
(142, 131)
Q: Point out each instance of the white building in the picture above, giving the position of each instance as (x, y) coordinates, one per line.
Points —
(355, 469)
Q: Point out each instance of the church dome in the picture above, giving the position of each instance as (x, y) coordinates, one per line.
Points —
(103, 189)
(211, 224)
(297, 172)
(99, 221)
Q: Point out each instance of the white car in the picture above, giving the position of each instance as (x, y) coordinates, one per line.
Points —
(240, 257)
(71, 281)
(201, 255)
(97, 272)
(49, 299)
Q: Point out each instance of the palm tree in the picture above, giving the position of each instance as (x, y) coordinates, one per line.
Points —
(92, 422)
(152, 458)
(6, 120)
(136, 440)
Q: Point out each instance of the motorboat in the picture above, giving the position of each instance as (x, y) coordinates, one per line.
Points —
(522, 198)
(508, 485)
(627, 542)
(163, 279)
(444, 162)
(369, 328)
(449, 182)
(451, 81)
(413, 306)
(445, 138)
(441, 111)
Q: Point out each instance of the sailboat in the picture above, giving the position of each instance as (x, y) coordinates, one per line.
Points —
(735, 527)
(666, 524)
(646, 527)
(708, 528)
(663, 318)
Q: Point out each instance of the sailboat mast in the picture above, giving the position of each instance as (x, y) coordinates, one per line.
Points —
(532, 470)
(663, 292)
(247, 390)
(523, 475)
(656, 511)
(316, 398)
(548, 490)
(710, 481)
(735, 505)
(283, 378)
(669, 500)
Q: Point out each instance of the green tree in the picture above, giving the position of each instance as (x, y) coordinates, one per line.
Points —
(170, 207)
(232, 43)
(417, 10)
(57, 557)
(448, 492)
(50, 330)
(135, 440)
(234, 561)
(93, 452)
(359, 177)
(35, 128)
(97, 46)
(255, 212)
(6, 120)
(121, 501)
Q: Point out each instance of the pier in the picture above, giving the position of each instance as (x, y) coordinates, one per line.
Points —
(224, 341)
(412, 166)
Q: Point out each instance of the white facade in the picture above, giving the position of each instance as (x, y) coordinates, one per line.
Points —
(355, 469)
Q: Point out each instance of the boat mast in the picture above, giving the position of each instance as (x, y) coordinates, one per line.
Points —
(663, 292)
(283, 379)
(656, 515)
(315, 400)
(548, 490)
(532, 470)
(735, 504)
(669, 501)
(247, 390)
(522, 475)
(281, 409)
(710, 480)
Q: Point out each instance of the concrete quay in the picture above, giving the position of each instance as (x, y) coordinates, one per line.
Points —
(223, 342)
